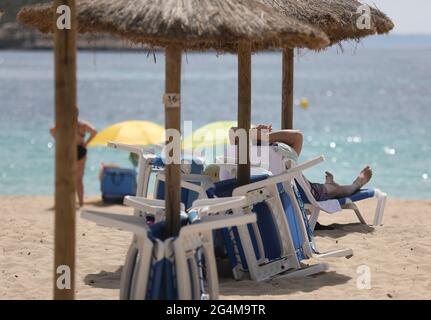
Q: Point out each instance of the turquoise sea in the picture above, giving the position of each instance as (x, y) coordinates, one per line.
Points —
(370, 104)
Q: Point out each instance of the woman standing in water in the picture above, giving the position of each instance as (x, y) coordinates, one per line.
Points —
(82, 142)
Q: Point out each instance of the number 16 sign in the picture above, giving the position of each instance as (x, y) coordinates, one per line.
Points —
(172, 100)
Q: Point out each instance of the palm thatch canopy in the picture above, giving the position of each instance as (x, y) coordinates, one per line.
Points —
(192, 24)
(337, 18)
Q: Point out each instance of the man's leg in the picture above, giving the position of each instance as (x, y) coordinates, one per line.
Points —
(80, 181)
(335, 191)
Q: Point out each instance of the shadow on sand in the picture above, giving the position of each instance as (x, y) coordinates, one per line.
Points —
(104, 280)
(281, 287)
(96, 203)
(342, 230)
(230, 287)
(102, 204)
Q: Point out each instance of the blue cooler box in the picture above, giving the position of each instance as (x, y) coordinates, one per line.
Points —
(116, 183)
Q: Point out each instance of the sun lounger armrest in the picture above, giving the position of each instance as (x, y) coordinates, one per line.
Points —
(139, 150)
(200, 189)
(274, 180)
(220, 160)
(196, 178)
(205, 181)
(150, 206)
(230, 163)
(208, 206)
(211, 223)
(134, 224)
(307, 165)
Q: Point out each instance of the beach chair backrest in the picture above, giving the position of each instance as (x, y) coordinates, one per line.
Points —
(191, 190)
(270, 238)
(187, 196)
(231, 236)
(193, 255)
(155, 289)
(173, 268)
(302, 234)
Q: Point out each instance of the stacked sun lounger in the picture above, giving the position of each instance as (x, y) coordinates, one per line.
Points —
(182, 268)
(281, 239)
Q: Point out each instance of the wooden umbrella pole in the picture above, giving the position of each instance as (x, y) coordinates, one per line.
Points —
(244, 107)
(287, 95)
(65, 156)
(173, 121)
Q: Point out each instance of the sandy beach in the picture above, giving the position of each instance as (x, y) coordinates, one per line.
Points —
(397, 254)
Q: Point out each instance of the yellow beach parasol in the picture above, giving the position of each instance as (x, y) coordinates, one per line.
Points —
(130, 132)
(210, 135)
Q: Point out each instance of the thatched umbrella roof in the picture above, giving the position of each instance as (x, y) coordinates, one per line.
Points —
(337, 18)
(193, 24)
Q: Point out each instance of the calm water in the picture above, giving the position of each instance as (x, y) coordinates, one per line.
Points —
(371, 106)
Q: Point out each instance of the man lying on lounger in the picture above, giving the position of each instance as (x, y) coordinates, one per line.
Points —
(321, 191)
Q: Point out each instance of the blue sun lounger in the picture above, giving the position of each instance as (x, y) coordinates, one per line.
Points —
(347, 203)
(181, 268)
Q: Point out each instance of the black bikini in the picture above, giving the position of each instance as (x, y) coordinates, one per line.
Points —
(82, 151)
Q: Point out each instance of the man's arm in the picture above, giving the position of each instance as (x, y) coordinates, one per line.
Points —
(89, 128)
(293, 138)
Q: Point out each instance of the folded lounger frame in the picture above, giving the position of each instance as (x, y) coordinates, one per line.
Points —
(267, 191)
(184, 254)
(297, 226)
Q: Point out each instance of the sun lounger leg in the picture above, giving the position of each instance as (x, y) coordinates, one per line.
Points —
(140, 278)
(195, 275)
(211, 271)
(314, 217)
(354, 207)
(359, 215)
(127, 273)
(182, 271)
(381, 203)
